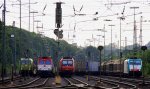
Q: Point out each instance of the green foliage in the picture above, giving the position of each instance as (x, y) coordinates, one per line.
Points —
(146, 69)
(33, 45)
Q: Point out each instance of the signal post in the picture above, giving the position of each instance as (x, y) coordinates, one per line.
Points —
(100, 48)
(58, 33)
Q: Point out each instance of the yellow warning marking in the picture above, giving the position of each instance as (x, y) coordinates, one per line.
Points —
(57, 80)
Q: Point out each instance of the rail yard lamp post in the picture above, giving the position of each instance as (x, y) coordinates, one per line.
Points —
(121, 18)
(134, 37)
(104, 40)
(111, 40)
(3, 68)
(143, 48)
(12, 63)
(100, 48)
(13, 47)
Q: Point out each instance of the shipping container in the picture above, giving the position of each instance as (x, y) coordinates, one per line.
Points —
(93, 66)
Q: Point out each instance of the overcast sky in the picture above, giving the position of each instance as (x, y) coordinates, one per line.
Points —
(81, 29)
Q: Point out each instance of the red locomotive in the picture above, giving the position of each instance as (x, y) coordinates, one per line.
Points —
(66, 66)
(45, 66)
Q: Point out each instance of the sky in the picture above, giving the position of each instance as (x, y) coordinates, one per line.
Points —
(83, 30)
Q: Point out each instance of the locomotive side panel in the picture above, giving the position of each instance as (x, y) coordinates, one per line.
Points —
(126, 67)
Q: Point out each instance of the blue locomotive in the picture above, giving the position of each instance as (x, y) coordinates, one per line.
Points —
(134, 66)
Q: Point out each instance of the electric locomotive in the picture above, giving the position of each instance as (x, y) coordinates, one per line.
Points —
(66, 66)
(45, 66)
(27, 67)
(134, 66)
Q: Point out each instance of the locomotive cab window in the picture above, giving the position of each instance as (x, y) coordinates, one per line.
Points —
(23, 62)
(47, 62)
(41, 62)
(138, 62)
(135, 62)
(28, 61)
(64, 63)
(70, 63)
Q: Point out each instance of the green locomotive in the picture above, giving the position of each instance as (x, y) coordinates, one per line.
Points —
(28, 67)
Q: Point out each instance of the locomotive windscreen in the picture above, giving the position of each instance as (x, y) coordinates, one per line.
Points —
(135, 62)
(70, 62)
(47, 62)
(25, 62)
(67, 62)
(64, 62)
(41, 62)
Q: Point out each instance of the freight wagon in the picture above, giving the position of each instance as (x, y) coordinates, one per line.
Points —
(89, 67)
(126, 67)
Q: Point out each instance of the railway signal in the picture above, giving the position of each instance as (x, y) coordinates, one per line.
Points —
(3, 67)
(58, 19)
(100, 48)
(144, 48)
(58, 33)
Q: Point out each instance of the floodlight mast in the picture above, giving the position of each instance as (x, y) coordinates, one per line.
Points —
(134, 37)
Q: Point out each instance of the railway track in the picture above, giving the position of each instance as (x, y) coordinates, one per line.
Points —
(100, 85)
(130, 80)
(122, 84)
(136, 81)
(74, 82)
(8, 79)
(77, 82)
(44, 83)
(104, 84)
(80, 83)
(20, 85)
(37, 84)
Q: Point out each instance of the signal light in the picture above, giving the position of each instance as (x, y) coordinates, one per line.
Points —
(143, 48)
(58, 33)
(58, 19)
